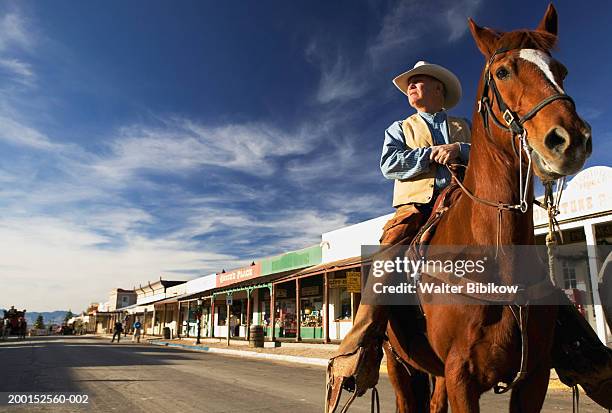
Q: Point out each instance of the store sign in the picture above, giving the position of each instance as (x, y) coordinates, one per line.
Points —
(229, 300)
(236, 276)
(337, 283)
(353, 282)
(303, 258)
(586, 194)
(308, 291)
(281, 293)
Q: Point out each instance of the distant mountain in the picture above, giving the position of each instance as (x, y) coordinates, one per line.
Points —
(49, 317)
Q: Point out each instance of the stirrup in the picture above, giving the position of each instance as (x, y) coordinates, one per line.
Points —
(351, 377)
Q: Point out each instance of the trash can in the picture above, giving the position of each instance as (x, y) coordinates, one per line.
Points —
(256, 336)
(167, 333)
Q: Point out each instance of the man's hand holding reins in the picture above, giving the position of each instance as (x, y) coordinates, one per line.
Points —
(443, 154)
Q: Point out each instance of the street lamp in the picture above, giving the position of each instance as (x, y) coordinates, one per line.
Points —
(199, 317)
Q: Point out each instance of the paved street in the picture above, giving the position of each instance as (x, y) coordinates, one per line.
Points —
(145, 378)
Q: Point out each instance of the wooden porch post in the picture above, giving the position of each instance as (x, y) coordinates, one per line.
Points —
(212, 316)
(248, 321)
(179, 326)
(272, 312)
(227, 319)
(161, 327)
(144, 322)
(188, 312)
(298, 311)
(326, 306)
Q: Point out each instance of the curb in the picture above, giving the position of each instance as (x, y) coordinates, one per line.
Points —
(242, 353)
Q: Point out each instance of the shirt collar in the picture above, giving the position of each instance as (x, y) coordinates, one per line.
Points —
(437, 117)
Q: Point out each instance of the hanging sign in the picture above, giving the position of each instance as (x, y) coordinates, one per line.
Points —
(353, 282)
(337, 283)
(242, 274)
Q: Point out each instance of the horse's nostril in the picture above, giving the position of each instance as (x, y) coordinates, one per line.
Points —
(556, 139)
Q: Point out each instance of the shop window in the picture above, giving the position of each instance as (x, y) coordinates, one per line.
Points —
(569, 275)
(264, 313)
(311, 314)
(345, 305)
(236, 318)
(222, 315)
(286, 318)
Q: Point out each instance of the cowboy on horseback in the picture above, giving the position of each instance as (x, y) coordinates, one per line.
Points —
(414, 154)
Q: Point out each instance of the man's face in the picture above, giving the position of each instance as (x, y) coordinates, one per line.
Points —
(425, 92)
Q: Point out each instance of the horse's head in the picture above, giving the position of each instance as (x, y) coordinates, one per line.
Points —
(529, 83)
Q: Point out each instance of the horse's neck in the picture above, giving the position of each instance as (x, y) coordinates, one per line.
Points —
(493, 174)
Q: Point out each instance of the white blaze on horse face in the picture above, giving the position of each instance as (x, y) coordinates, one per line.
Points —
(541, 60)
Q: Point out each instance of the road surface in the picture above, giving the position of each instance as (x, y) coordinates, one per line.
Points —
(144, 378)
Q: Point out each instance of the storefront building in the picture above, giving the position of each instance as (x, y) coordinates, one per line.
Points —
(242, 297)
(586, 222)
(144, 310)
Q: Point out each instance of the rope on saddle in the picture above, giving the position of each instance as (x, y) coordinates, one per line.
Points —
(551, 204)
(521, 319)
(576, 399)
(375, 401)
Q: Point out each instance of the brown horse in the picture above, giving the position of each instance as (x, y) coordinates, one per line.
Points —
(480, 345)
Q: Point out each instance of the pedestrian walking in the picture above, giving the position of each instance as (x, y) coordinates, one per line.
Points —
(137, 326)
(117, 332)
(7, 328)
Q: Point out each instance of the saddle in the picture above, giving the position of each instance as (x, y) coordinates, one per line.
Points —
(447, 197)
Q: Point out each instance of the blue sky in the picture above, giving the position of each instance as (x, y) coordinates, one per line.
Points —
(149, 138)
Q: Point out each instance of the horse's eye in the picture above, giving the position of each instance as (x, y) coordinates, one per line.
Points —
(502, 73)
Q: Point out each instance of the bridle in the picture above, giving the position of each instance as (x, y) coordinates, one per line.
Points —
(514, 125)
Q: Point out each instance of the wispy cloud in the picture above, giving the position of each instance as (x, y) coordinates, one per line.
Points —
(14, 32)
(18, 133)
(18, 70)
(405, 29)
(408, 26)
(183, 145)
(15, 38)
(340, 80)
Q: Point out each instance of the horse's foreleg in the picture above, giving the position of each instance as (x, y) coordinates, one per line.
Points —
(439, 399)
(462, 391)
(528, 396)
(411, 386)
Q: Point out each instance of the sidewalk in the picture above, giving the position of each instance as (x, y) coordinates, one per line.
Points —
(304, 353)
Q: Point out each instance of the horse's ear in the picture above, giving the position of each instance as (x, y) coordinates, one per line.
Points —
(549, 22)
(485, 38)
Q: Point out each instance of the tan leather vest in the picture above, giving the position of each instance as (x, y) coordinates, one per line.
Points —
(417, 135)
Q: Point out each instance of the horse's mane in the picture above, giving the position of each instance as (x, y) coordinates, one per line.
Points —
(527, 39)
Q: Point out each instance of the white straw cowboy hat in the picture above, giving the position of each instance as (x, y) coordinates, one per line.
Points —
(450, 81)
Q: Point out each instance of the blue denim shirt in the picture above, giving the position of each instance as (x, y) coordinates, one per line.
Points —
(401, 162)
